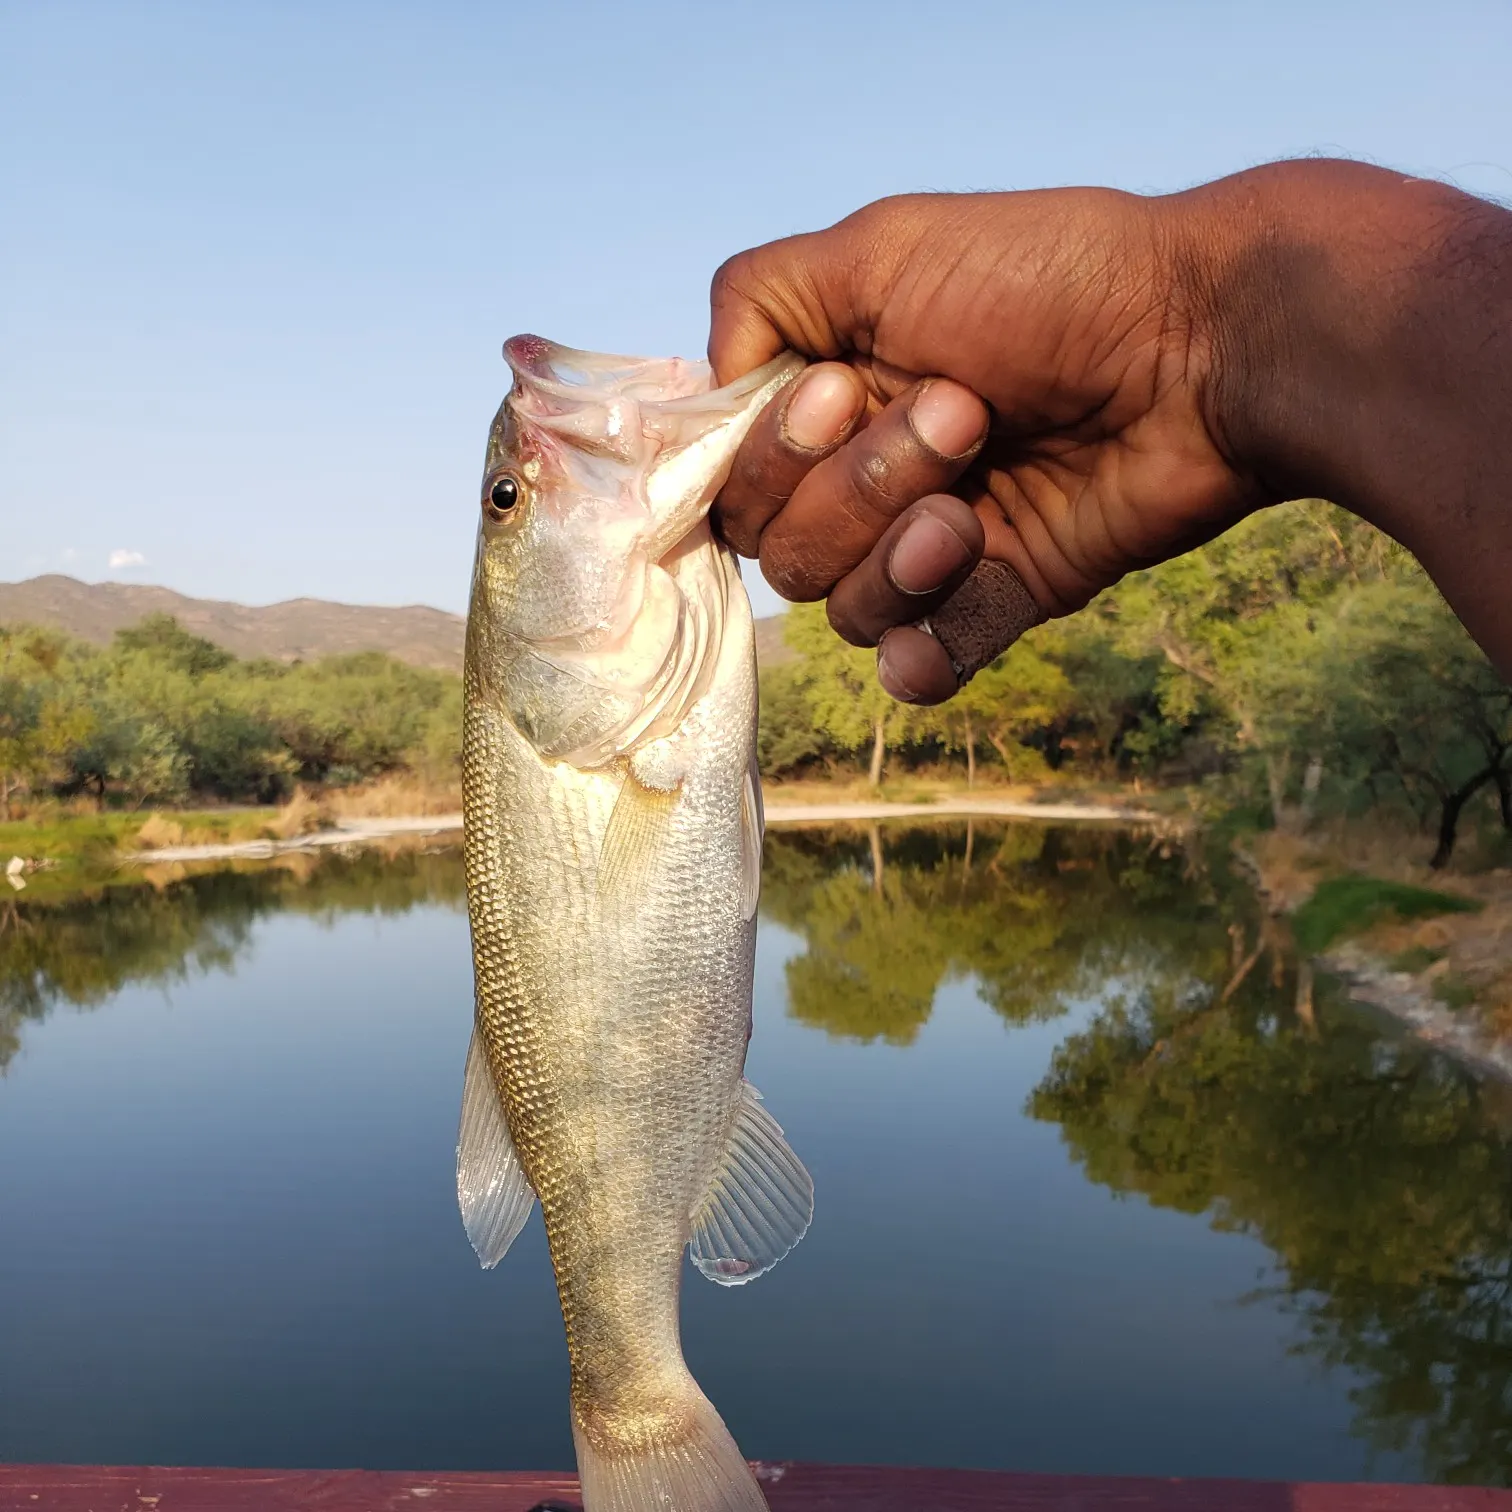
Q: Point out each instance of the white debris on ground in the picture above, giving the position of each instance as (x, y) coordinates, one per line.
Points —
(1370, 980)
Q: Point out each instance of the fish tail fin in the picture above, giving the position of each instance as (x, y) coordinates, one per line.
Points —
(698, 1469)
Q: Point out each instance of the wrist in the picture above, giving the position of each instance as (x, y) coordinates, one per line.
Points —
(1337, 326)
(1357, 325)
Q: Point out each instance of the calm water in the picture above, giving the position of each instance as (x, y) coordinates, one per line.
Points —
(1074, 1213)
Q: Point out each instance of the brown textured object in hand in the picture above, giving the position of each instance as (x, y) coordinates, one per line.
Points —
(983, 617)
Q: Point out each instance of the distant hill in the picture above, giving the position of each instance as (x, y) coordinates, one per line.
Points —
(295, 630)
(771, 649)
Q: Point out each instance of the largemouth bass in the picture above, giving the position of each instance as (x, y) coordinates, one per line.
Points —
(613, 853)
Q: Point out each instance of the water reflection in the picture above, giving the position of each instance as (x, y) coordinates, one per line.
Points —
(1378, 1172)
(167, 927)
(1176, 1067)
(1039, 918)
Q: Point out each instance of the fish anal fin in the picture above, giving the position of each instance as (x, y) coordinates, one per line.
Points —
(492, 1191)
(759, 1204)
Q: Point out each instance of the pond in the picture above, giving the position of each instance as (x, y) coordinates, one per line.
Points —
(1087, 1199)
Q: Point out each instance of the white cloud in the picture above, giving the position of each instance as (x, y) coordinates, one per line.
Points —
(68, 554)
(121, 558)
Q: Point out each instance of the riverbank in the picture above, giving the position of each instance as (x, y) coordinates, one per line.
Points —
(343, 832)
(780, 811)
(356, 831)
(1404, 996)
(1431, 950)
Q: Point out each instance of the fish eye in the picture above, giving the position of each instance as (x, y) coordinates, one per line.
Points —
(505, 495)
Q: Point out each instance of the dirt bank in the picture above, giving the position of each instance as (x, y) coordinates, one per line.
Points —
(356, 831)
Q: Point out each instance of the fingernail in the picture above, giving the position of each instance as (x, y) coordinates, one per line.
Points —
(947, 418)
(925, 555)
(821, 409)
(888, 675)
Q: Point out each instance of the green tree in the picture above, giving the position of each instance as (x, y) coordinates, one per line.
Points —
(840, 688)
(787, 736)
(1410, 709)
(162, 637)
(1019, 696)
(1238, 624)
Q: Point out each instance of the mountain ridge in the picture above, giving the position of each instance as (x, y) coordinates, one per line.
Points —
(297, 629)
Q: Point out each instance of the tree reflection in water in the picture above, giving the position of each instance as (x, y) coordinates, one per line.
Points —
(1038, 917)
(82, 950)
(1378, 1172)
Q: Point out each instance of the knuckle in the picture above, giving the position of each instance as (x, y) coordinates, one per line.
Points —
(878, 486)
(729, 276)
(764, 476)
(847, 623)
(788, 570)
(739, 535)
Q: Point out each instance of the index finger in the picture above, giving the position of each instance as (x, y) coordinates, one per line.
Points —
(788, 293)
(919, 444)
(800, 428)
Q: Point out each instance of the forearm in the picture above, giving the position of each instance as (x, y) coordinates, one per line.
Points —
(1361, 350)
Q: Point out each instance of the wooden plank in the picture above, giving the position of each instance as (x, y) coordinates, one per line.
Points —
(790, 1488)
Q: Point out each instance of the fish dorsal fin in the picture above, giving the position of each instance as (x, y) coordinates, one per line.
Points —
(492, 1191)
(759, 1204)
(752, 833)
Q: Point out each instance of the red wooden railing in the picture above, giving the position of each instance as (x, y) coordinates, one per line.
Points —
(790, 1488)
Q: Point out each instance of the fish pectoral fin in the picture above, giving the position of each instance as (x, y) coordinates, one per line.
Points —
(752, 834)
(636, 836)
(492, 1191)
(760, 1203)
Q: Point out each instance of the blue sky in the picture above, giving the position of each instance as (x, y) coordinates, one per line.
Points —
(256, 261)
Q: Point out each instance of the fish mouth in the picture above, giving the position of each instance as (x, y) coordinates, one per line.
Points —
(658, 415)
(567, 374)
(568, 377)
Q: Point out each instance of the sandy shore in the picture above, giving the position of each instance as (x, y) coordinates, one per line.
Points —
(359, 831)
(1370, 981)
(957, 807)
(346, 832)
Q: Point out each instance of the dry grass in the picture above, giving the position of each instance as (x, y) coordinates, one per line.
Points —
(303, 814)
(159, 833)
(1466, 958)
(1291, 866)
(396, 797)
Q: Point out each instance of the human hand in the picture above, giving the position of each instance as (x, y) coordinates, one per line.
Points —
(881, 479)
(1149, 370)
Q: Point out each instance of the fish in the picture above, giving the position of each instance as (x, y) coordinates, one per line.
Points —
(612, 845)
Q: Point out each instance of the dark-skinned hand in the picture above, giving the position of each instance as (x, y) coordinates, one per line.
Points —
(1079, 382)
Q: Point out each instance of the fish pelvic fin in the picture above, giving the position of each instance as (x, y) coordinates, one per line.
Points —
(492, 1191)
(636, 837)
(759, 1204)
(698, 1467)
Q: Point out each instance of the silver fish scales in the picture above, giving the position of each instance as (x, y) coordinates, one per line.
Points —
(613, 851)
